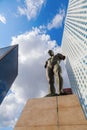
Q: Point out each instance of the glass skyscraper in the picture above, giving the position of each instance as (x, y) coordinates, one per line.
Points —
(8, 68)
(74, 46)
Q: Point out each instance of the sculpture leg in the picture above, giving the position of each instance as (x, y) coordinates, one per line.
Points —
(51, 81)
(55, 70)
(60, 83)
(50, 78)
(51, 84)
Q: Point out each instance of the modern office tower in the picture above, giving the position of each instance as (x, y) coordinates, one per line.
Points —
(74, 46)
(8, 68)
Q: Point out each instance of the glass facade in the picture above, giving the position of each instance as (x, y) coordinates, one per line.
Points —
(8, 68)
(74, 46)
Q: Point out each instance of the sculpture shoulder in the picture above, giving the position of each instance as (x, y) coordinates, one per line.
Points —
(47, 62)
(59, 56)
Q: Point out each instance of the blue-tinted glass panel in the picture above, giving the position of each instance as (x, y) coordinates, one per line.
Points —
(8, 70)
(4, 51)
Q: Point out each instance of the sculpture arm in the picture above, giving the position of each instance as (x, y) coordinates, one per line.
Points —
(45, 66)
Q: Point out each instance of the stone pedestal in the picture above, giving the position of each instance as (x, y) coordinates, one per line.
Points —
(52, 113)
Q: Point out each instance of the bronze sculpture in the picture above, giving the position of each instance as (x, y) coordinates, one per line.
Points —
(53, 70)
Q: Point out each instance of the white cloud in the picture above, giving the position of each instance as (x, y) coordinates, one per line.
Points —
(31, 9)
(2, 19)
(57, 20)
(8, 109)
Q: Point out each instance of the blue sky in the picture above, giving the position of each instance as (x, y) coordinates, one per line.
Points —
(36, 25)
(15, 22)
(8, 128)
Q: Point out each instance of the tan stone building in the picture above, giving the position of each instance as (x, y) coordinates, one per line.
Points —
(52, 113)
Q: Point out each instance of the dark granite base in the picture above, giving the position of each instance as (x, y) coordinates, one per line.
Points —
(55, 94)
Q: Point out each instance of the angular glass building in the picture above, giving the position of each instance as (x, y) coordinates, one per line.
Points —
(8, 68)
(74, 46)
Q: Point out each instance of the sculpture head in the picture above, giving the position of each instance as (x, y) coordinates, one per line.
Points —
(51, 53)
